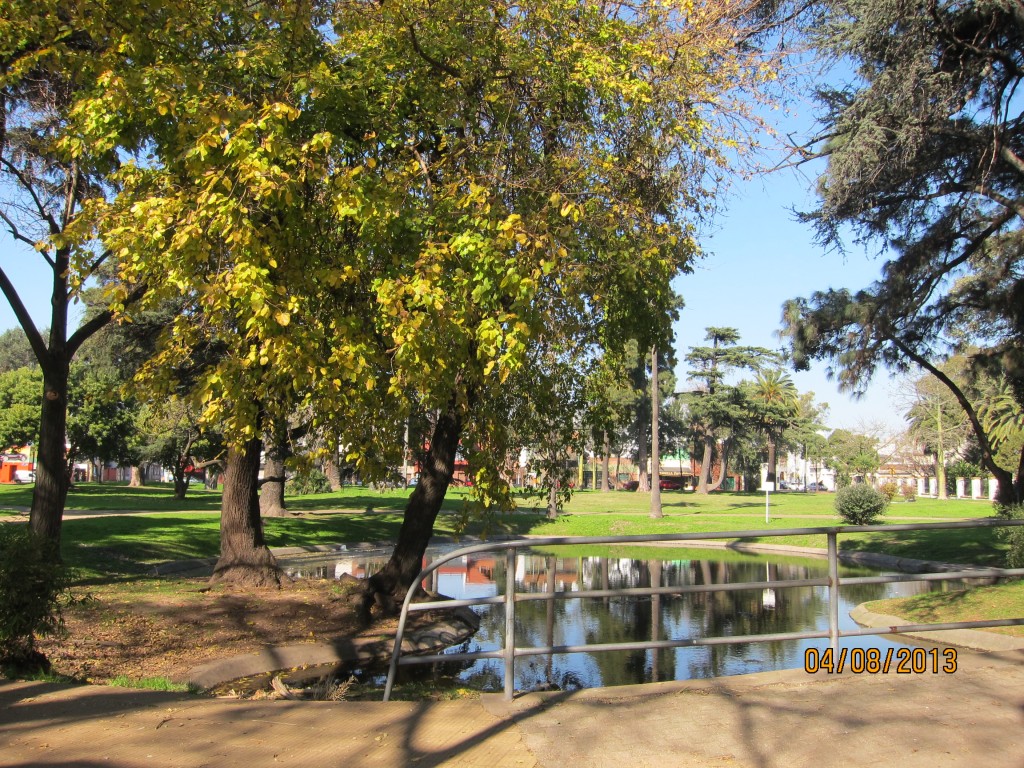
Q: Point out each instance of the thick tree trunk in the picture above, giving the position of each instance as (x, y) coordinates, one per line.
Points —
(272, 485)
(244, 556)
(136, 479)
(333, 473)
(705, 465)
(722, 468)
(52, 480)
(552, 502)
(388, 587)
(181, 480)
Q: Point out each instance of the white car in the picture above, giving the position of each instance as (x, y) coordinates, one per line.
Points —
(24, 475)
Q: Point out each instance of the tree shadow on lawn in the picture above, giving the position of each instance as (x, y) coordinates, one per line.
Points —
(100, 496)
(979, 546)
(132, 545)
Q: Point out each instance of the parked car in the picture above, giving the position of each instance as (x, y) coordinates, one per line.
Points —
(630, 485)
(24, 475)
(672, 484)
(816, 487)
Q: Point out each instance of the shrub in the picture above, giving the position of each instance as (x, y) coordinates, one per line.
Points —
(1013, 536)
(313, 481)
(909, 492)
(890, 489)
(33, 590)
(860, 504)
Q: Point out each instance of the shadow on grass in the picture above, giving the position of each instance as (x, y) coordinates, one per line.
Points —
(116, 547)
(978, 546)
(160, 497)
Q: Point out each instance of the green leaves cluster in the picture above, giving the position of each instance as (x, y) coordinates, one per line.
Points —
(860, 504)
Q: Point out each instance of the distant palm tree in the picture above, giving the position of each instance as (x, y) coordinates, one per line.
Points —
(777, 406)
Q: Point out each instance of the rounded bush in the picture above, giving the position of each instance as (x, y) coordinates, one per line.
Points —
(1014, 537)
(890, 489)
(860, 504)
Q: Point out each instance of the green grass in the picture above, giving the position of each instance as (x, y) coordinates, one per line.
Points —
(120, 546)
(101, 547)
(98, 497)
(781, 505)
(1001, 601)
(119, 497)
(150, 684)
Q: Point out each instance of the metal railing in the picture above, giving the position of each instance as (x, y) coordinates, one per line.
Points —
(509, 653)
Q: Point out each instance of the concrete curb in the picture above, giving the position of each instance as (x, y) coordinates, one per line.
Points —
(429, 638)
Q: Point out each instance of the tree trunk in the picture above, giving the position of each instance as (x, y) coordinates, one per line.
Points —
(181, 480)
(244, 556)
(136, 480)
(771, 460)
(656, 511)
(705, 465)
(604, 464)
(940, 476)
(722, 468)
(552, 502)
(332, 472)
(643, 481)
(272, 485)
(388, 587)
(52, 480)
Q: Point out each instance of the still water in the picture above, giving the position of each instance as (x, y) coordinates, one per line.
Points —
(625, 619)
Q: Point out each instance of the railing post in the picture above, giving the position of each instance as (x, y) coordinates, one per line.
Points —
(510, 623)
(833, 592)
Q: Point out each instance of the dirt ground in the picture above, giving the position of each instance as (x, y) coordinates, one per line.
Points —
(145, 632)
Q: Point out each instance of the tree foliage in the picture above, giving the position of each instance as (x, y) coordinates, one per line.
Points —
(375, 211)
(851, 455)
(19, 407)
(924, 153)
(719, 412)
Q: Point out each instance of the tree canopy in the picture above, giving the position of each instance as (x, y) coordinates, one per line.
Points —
(925, 155)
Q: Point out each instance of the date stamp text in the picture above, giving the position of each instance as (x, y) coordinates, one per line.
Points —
(872, 661)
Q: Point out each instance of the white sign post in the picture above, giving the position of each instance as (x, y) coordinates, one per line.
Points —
(768, 488)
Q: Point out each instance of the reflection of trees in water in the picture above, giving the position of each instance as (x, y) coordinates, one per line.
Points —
(628, 619)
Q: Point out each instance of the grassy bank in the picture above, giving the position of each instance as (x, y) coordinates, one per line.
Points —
(123, 549)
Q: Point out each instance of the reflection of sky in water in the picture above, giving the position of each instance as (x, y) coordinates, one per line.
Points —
(626, 619)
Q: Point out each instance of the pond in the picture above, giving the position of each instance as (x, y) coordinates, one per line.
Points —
(626, 619)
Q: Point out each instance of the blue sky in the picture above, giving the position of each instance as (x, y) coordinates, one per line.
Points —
(758, 256)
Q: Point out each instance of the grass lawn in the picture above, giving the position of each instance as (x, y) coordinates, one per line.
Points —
(123, 549)
(176, 530)
(1000, 601)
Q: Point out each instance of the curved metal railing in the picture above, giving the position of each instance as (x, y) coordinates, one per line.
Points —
(509, 653)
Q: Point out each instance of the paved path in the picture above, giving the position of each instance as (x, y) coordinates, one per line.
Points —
(974, 717)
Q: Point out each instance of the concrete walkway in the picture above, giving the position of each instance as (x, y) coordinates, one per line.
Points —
(972, 717)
